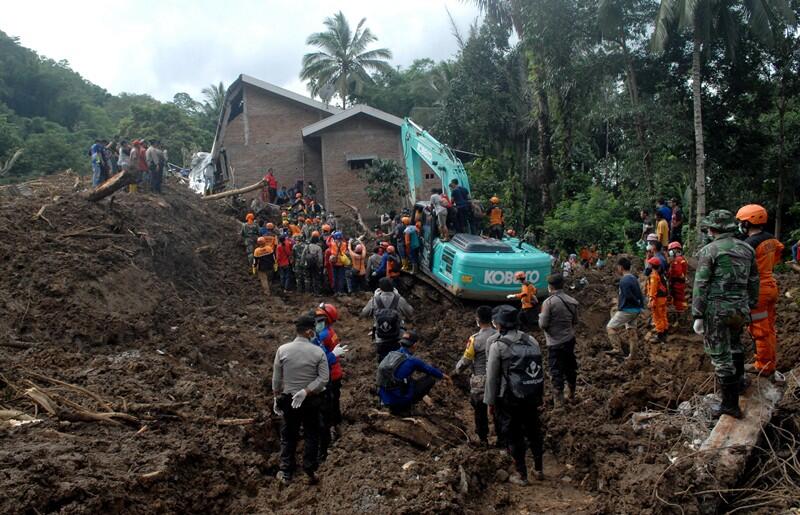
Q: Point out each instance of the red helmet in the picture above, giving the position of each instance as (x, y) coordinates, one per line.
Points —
(298, 195)
(675, 245)
(752, 213)
(519, 276)
(654, 261)
(261, 241)
(359, 248)
(329, 311)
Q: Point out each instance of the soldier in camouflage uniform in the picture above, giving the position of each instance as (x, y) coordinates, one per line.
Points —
(300, 272)
(725, 289)
(249, 235)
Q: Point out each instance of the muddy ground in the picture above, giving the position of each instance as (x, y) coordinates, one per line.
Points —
(146, 302)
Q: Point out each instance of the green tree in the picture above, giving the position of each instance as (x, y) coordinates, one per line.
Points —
(343, 61)
(386, 184)
(214, 99)
(709, 20)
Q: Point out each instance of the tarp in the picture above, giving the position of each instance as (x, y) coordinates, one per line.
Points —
(201, 176)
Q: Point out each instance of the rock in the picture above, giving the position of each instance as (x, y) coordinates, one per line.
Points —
(444, 474)
(407, 465)
(501, 476)
(566, 479)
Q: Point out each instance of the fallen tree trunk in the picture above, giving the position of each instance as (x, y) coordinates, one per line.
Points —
(359, 219)
(115, 183)
(240, 191)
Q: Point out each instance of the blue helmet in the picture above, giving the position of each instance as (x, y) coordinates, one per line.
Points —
(338, 235)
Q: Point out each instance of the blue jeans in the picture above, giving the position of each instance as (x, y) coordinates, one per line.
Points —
(339, 285)
(98, 175)
(794, 252)
(286, 276)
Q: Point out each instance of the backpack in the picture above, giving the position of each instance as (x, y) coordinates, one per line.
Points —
(523, 371)
(310, 259)
(387, 368)
(387, 319)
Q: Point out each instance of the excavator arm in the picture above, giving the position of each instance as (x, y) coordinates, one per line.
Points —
(420, 147)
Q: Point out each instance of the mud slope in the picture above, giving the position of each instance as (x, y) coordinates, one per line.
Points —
(146, 302)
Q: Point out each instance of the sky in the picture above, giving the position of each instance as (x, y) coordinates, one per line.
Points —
(174, 46)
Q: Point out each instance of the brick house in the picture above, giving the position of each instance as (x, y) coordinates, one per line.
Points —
(263, 126)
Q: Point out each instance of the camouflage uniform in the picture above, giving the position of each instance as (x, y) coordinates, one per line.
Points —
(300, 271)
(725, 288)
(250, 237)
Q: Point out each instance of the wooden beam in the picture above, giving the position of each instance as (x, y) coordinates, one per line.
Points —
(240, 191)
(115, 183)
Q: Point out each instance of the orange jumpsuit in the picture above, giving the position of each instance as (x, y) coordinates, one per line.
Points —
(762, 327)
(527, 296)
(677, 282)
(657, 293)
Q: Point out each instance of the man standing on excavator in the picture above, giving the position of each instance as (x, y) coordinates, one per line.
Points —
(726, 287)
(752, 219)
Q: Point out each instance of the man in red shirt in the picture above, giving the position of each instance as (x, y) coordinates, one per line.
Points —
(272, 187)
(284, 258)
(325, 316)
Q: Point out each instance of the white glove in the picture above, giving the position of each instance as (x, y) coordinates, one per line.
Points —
(298, 398)
(339, 350)
(276, 409)
(698, 326)
(511, 296)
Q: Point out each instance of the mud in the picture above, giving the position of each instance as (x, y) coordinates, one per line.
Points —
(148, 302)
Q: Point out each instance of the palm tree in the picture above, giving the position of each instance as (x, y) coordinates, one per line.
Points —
(214, 96)
(709, 19)
(343, 60)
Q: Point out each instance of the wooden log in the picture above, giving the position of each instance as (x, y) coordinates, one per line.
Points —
(794, 266)
(359, 219)
(113, 184)
(240, 191)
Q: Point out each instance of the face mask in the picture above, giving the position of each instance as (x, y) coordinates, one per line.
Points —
(671, 253)
(320, 326)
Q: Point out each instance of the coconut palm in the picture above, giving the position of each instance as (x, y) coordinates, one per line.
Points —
(214, 98)
(343, 61)
(710, 19)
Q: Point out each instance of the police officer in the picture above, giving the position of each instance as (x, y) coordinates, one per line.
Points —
(725, 289)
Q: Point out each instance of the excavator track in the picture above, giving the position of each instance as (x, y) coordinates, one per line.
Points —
(423, 278)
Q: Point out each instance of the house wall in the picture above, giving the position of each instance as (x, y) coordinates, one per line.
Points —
(359, 135)
(272, 124)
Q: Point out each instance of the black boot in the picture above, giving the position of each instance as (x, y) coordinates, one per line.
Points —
(729, 388)
(743, 381)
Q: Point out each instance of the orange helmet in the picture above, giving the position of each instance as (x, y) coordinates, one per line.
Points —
(298, 195)
(654, 261)
(261, 241)
(519, 276)
(675, 245)
(329, 311)
(326, 228)
(390, 249)
(286, 223)
(511, 232)
(406, 220)
(494, 200)
(250, 217)
(752, 213)
(315, 234)
(284, 214)
(270, 226)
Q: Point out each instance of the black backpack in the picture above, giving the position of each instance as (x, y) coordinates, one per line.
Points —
(388, 324)
(310, 259)
(523, 371)
(388, 367)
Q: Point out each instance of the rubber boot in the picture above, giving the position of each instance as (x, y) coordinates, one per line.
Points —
(571, 395)
(661, 337)
(743, 380)
(616, 344)
(558, 399)
(729, 388)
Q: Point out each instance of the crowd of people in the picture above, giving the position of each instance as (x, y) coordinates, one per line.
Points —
(146, 159)
(734, 289)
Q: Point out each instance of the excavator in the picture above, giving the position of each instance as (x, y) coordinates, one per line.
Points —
(468, 266)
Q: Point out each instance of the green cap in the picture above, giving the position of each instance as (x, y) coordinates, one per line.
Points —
(720, 220)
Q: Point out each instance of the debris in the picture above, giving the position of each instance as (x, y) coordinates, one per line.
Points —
(114, 183)
(260, 184)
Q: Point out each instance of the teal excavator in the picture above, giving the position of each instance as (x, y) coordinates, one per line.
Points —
(469, 266)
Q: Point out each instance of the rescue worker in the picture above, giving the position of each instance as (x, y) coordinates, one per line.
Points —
(264, 256)
(390, 264)
(249, 234)
(283, 257)
(527, 297)
(397, 388)
(662, 229)
(726, 287)
(400, 241)
(389, 311)
(558, 318)
(752, 219)
(657, 294)
(514, 388)
(630, 304)
(475, 357)
(340, 261)
(678, 272)
(412, 244)
(312, 260)
(373, 264)
(357, 273)
(497, 222)
(299, 375)
(325, 316)
(299, 266)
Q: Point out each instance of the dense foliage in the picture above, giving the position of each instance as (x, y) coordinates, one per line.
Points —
(53, 115)
(386, 184)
